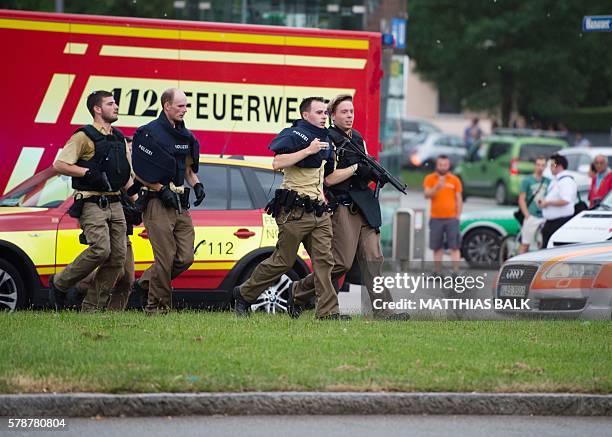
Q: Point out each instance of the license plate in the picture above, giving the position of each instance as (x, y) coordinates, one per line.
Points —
(511, 290)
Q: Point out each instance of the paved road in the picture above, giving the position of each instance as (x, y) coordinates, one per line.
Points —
(350, 426)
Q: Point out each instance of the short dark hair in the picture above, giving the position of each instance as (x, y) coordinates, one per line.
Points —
(335, 102)
(307, 103)
(95, 99)
(442, 157)
(540, 158)
(167, 96)
(559, 160)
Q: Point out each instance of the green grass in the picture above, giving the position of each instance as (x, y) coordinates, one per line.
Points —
(414, 178)
(203, 351)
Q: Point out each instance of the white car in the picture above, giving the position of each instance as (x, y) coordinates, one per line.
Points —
(572, 281)
(588, 226)
(425, 148)
(579, 161)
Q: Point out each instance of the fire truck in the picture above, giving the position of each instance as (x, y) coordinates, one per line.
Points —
(244, 83)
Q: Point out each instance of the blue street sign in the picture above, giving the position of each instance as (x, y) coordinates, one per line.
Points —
(398, 29)
(597, 23)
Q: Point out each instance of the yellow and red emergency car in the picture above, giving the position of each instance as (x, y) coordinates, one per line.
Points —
(232, 235)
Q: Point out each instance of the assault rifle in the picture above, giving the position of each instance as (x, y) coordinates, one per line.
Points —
(382, 172)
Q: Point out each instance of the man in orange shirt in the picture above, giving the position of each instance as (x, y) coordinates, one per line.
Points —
(444, 189)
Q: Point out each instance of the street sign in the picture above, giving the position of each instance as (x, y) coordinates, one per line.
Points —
(597, 23)
(398, 29)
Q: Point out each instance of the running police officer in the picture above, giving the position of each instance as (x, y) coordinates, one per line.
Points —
(300, 211)
(165, 155)
(357, 219)
(98, 160)
(120, 294)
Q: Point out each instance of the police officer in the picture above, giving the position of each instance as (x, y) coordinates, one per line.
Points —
(165, 155)
(98, 160)
(357, 219)
(300, 212)
(120, 294)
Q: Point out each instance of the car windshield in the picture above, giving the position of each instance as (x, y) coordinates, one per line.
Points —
(529, 152)
(606, 203)
(44, 190)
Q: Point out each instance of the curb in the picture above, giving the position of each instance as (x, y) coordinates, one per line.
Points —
(299, 403)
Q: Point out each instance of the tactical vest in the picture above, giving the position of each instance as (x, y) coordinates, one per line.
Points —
(346, 158)
(159, 154)
(109, 158)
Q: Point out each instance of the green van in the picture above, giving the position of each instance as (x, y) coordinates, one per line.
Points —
(495, 166)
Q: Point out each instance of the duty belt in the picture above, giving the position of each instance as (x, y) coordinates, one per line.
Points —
(103, 200)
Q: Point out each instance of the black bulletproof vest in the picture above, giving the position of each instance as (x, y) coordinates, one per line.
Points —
(159, 152)
(109, 157)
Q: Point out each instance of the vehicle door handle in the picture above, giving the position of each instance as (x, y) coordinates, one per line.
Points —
(244, 233)
(144, 234)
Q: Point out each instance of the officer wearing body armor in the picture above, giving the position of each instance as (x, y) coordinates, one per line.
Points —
(300, 210)
(357, 219)
(98, 160)
(165, 155)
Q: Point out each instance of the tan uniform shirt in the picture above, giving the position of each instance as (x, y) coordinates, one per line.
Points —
(305, 181)
(80, 146)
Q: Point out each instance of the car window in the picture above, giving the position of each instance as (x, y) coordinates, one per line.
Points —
(498, 149)
(45, 192)
(214, 178)
(529, 152)
(442, 141)
(240, 198)
(584, 160)
(572, 161)
(270, 181)
(477, 152)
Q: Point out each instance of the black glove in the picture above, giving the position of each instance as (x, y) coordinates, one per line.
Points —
(97, 180)
(365, 172)
(169, 198)
(133, 216)
(198, 189)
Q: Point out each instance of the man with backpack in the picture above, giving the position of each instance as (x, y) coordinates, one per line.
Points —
(533, 188)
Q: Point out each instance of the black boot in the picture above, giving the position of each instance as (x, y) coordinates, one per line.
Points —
(294, 310)
(57, 298)
(241, 307)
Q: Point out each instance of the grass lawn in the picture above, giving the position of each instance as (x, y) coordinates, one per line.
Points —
(203, 351)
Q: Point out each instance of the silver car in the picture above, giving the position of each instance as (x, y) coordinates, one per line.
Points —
(423, 150)
(573, 281)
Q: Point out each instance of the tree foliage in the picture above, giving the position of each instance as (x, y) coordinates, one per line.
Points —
(526, 56)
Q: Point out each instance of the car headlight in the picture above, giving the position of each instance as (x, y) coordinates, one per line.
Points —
(572, 270)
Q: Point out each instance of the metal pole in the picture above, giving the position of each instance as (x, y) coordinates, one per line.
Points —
(59, 6)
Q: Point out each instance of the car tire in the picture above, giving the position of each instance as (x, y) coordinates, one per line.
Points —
(481, 247)
(273, 299)
(501, 193)
(13, 294)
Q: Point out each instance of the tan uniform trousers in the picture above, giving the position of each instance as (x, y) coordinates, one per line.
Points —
(120, 294)
(353, 236)
(172, 236)
(294, 228)
(104, 230)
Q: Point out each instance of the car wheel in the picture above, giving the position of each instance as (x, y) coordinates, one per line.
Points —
(501, 193)
(12, 289)
(481, 247)
(273, 299)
